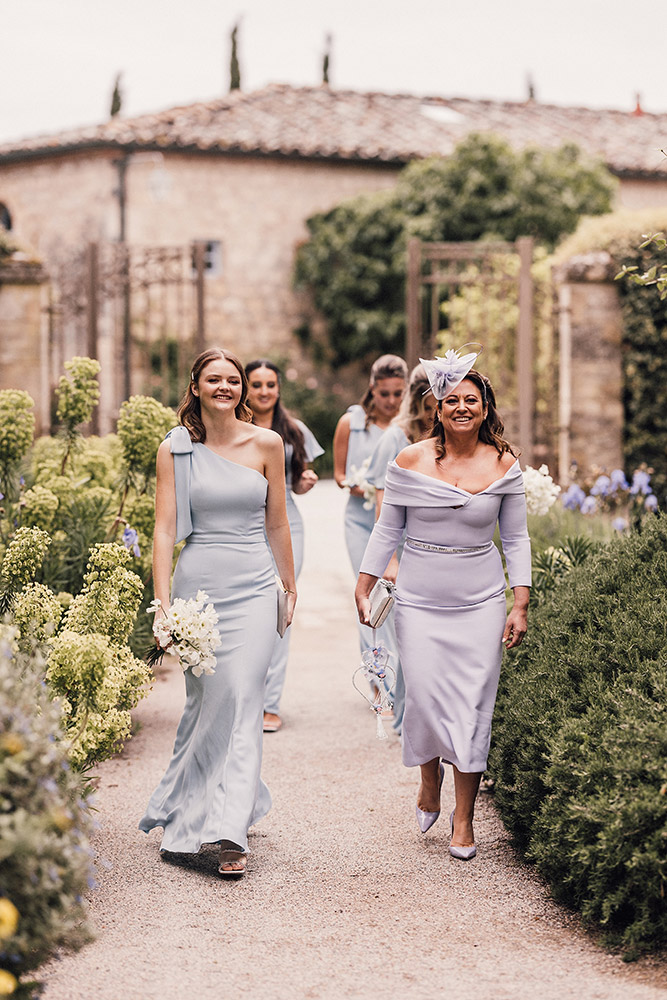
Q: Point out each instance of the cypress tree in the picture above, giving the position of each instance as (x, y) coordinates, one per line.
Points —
(234, 69)
(116, 97)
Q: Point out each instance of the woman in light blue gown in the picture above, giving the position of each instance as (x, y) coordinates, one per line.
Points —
(447, 493)
(357, 433)
(413, 423)
(301, 448)
(220, 486)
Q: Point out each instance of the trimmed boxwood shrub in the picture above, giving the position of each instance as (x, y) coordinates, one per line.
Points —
(579, 754)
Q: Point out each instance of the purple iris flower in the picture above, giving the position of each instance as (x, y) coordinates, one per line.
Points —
(640, 482)
(573, 497)
(618, 480)
(601, 487)
(589, 506)
(619, 524)
(131, 540)
(651, 502)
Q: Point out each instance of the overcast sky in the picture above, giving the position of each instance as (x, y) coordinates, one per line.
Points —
(60, 57)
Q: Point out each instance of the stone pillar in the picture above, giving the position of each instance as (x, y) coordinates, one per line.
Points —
(590, 369)
(24, 349)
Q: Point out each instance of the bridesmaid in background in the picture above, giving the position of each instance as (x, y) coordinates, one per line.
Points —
(301, 448)
(413, 423)
(357, 433)
(221, 487)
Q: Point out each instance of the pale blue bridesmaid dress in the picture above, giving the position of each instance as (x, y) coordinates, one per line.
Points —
(450, 606)
(393, 441)
(359, 519)
(212, 789)
(275, 679)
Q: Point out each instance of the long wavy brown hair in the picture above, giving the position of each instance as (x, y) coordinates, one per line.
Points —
(189, 408)
(283, 422)
(411, 413)
(492, 429)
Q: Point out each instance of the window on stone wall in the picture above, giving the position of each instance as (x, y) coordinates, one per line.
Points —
(5, 217)
(212, 257)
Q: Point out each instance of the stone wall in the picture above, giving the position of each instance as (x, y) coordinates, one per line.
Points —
(24, 342)
(590, 366)
(255, 207)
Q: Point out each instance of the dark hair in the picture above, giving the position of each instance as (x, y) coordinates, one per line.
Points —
(283, 422)
(189, 408)
(491, 431)
(410, 415)
(386, 366)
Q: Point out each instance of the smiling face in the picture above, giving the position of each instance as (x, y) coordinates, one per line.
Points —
(219, 387)
(263, 390)
(427, 410)
(387, 394)
(462, 410)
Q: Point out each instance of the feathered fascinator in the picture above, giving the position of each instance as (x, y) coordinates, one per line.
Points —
(444, 374)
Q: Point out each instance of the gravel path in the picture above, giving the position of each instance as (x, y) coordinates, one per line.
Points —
(343, 897)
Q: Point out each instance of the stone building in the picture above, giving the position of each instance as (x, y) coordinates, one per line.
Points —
(240, 175)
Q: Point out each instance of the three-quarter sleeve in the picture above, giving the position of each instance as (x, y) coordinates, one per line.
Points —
(515, 540)
(385, 539)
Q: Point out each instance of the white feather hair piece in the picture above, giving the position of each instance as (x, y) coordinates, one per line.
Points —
(444, 374)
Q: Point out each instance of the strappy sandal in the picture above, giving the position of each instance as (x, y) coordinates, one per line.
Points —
(232, 858)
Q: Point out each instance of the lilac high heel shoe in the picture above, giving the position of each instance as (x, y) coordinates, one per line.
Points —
(427, 819)
(461, 853)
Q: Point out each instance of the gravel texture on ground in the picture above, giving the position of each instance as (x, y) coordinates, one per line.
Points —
(343, 898)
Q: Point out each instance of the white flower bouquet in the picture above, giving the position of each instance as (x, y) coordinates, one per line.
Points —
(357, 477)
(541, 491)
(188, 627)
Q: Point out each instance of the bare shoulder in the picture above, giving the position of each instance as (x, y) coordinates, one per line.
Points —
(506, 461)
(414, 454)
(344, 422)
(266, 439)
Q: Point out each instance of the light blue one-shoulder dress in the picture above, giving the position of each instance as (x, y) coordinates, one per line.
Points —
(359, 515)
(212, 789)
(450, 606)
(275, 679)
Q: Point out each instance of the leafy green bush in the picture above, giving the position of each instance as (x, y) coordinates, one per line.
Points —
(578, 754)
(45, 824)
(353, 264)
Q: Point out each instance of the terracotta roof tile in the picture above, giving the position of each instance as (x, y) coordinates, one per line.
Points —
(319, 122)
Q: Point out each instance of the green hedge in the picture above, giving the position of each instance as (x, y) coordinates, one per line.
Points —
(579, 754)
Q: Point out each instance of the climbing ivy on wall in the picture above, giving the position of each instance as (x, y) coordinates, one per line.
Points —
(644, 365)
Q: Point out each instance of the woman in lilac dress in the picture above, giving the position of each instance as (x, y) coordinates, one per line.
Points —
(447, 493)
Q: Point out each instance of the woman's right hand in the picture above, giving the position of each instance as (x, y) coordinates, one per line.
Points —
(365, 584)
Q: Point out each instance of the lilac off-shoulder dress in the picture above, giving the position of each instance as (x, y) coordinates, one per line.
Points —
(450, 607)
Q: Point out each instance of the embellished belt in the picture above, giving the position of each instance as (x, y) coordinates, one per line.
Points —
(415, 544)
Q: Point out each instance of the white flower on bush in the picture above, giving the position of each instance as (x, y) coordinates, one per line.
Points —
(357, 477)
(541, 491)
(189, 628)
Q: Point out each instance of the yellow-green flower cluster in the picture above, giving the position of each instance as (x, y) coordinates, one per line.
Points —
(23, 557)
(98, 683)
(17, 425)
(37, 612)
(78, 392)
(142, 425)
(110, 597)
(38, 508)
(45, 826)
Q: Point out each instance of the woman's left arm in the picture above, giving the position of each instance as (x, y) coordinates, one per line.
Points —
(277, 525)
(516, 548)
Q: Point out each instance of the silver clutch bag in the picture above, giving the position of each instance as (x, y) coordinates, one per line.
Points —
(281, 621)
(382, 601)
